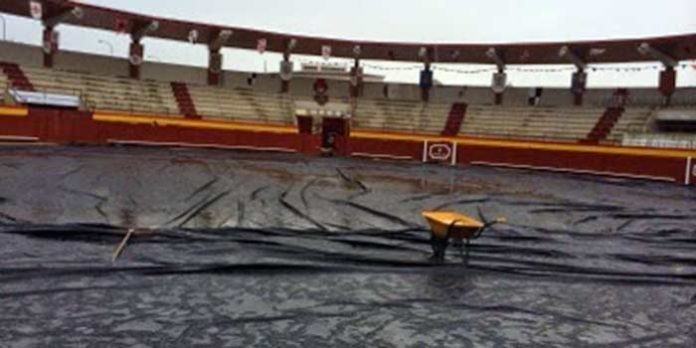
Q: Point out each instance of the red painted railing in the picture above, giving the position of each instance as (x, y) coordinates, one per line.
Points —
(16, 76)
(184, 100)
(604, 126)
(455, 119)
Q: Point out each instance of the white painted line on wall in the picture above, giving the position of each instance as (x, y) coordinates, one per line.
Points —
(382, 156)
(574, 171)
(425, 151)
(205, 146)
(15, 138)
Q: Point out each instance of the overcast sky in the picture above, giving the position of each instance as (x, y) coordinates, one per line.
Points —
(454, 21)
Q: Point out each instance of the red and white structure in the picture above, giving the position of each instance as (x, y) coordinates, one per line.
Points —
(59, 125)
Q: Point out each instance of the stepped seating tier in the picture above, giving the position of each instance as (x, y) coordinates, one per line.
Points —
(108, 93)
(538, 123)
(165, 99)
(542, 123)
(632, 121)
(3, 87)
(401, 116)
(240, 104)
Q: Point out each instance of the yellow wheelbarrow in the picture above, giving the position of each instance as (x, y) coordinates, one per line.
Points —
(446, 225)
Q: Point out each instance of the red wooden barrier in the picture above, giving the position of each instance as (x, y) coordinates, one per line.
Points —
(72, 126)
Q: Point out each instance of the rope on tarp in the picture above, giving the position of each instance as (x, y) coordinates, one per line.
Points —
(122, 245)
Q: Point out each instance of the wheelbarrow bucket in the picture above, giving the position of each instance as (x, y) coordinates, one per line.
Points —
(460, 226)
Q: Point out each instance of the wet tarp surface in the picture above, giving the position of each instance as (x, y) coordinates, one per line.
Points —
(239, 249)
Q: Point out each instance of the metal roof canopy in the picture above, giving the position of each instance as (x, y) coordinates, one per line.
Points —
(680, 47)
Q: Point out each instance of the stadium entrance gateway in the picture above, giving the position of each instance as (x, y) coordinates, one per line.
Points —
(332, 120)
(334, 131)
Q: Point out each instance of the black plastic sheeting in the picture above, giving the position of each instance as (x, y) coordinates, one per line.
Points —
(285, 250)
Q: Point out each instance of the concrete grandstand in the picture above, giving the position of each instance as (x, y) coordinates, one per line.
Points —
(126, 100)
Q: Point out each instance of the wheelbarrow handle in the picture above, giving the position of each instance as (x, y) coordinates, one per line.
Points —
(488, 225)
(479, 232)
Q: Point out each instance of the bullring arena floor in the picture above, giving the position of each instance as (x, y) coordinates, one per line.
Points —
(251, 249)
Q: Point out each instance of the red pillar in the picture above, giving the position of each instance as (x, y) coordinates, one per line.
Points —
(426, 82)
(668, 84)
(578, 87)
(50, 46)
(284, 86)
(499, 82)
(578, 99)
(356, 80)
(499, 85)
(214, 66)
(135, 59)
(498, 100)
(285, 73)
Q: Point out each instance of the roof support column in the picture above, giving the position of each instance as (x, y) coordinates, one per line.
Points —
(286, 66)
(50, 45)
(136, 52)
(668, 77)
(356, 78)
(285, 73)
(50, 38)
(579, 79)
(215, 60)
(668, 84)
(135, 59)
(499, 82)
(578, 86)
(426, 82)
(426, 75)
